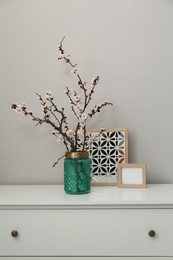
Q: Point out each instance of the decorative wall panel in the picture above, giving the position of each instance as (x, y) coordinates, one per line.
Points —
(107, 150)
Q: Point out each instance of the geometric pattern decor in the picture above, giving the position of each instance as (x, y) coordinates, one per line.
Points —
(106, 152)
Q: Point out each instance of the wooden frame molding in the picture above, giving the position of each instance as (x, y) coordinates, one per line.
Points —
(132, 175)
(109, 149)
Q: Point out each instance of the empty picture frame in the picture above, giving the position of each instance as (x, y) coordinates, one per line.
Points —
(106, 152)
(131, 175)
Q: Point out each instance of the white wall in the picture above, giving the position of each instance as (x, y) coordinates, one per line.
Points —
(129, 43)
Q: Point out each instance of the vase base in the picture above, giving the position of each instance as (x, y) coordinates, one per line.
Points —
(76, 193)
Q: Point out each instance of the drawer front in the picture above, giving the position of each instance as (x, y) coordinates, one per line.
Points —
(120, 232)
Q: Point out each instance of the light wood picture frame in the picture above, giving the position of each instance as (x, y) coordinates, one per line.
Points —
(132, 175)
(106, 152)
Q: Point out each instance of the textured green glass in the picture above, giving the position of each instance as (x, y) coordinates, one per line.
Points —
(77, 175)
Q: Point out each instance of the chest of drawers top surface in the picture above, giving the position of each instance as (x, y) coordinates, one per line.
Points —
(112, 196)
(108, 221)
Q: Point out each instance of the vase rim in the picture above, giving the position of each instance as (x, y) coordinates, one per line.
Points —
(78, 154)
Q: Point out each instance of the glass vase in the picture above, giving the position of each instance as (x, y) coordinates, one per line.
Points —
(77, 173)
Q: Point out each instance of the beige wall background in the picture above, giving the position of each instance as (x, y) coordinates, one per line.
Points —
(129, 43)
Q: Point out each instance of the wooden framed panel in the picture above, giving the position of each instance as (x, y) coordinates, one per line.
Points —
(132, 175)
(107, 151)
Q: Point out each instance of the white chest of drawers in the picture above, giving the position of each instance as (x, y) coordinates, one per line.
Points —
(106, 224)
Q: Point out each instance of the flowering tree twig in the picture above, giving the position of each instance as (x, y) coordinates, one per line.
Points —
(74, 140)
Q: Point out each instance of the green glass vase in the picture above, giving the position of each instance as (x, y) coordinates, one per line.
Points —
(77, 173)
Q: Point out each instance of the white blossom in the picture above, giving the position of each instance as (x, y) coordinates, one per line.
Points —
(76, 98)
(92, 80)
(18, 109)
(24, 105)
(79, 106)
(61, 56)
(83, 117)
(80, 132)
(69, 146)
(95, 80)
(74, 71)
(49, 94)
(88, 92)
(60, 139)
(70, 132)
(68, 92)
(82, 120)
(96, 108)
(45, 111)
